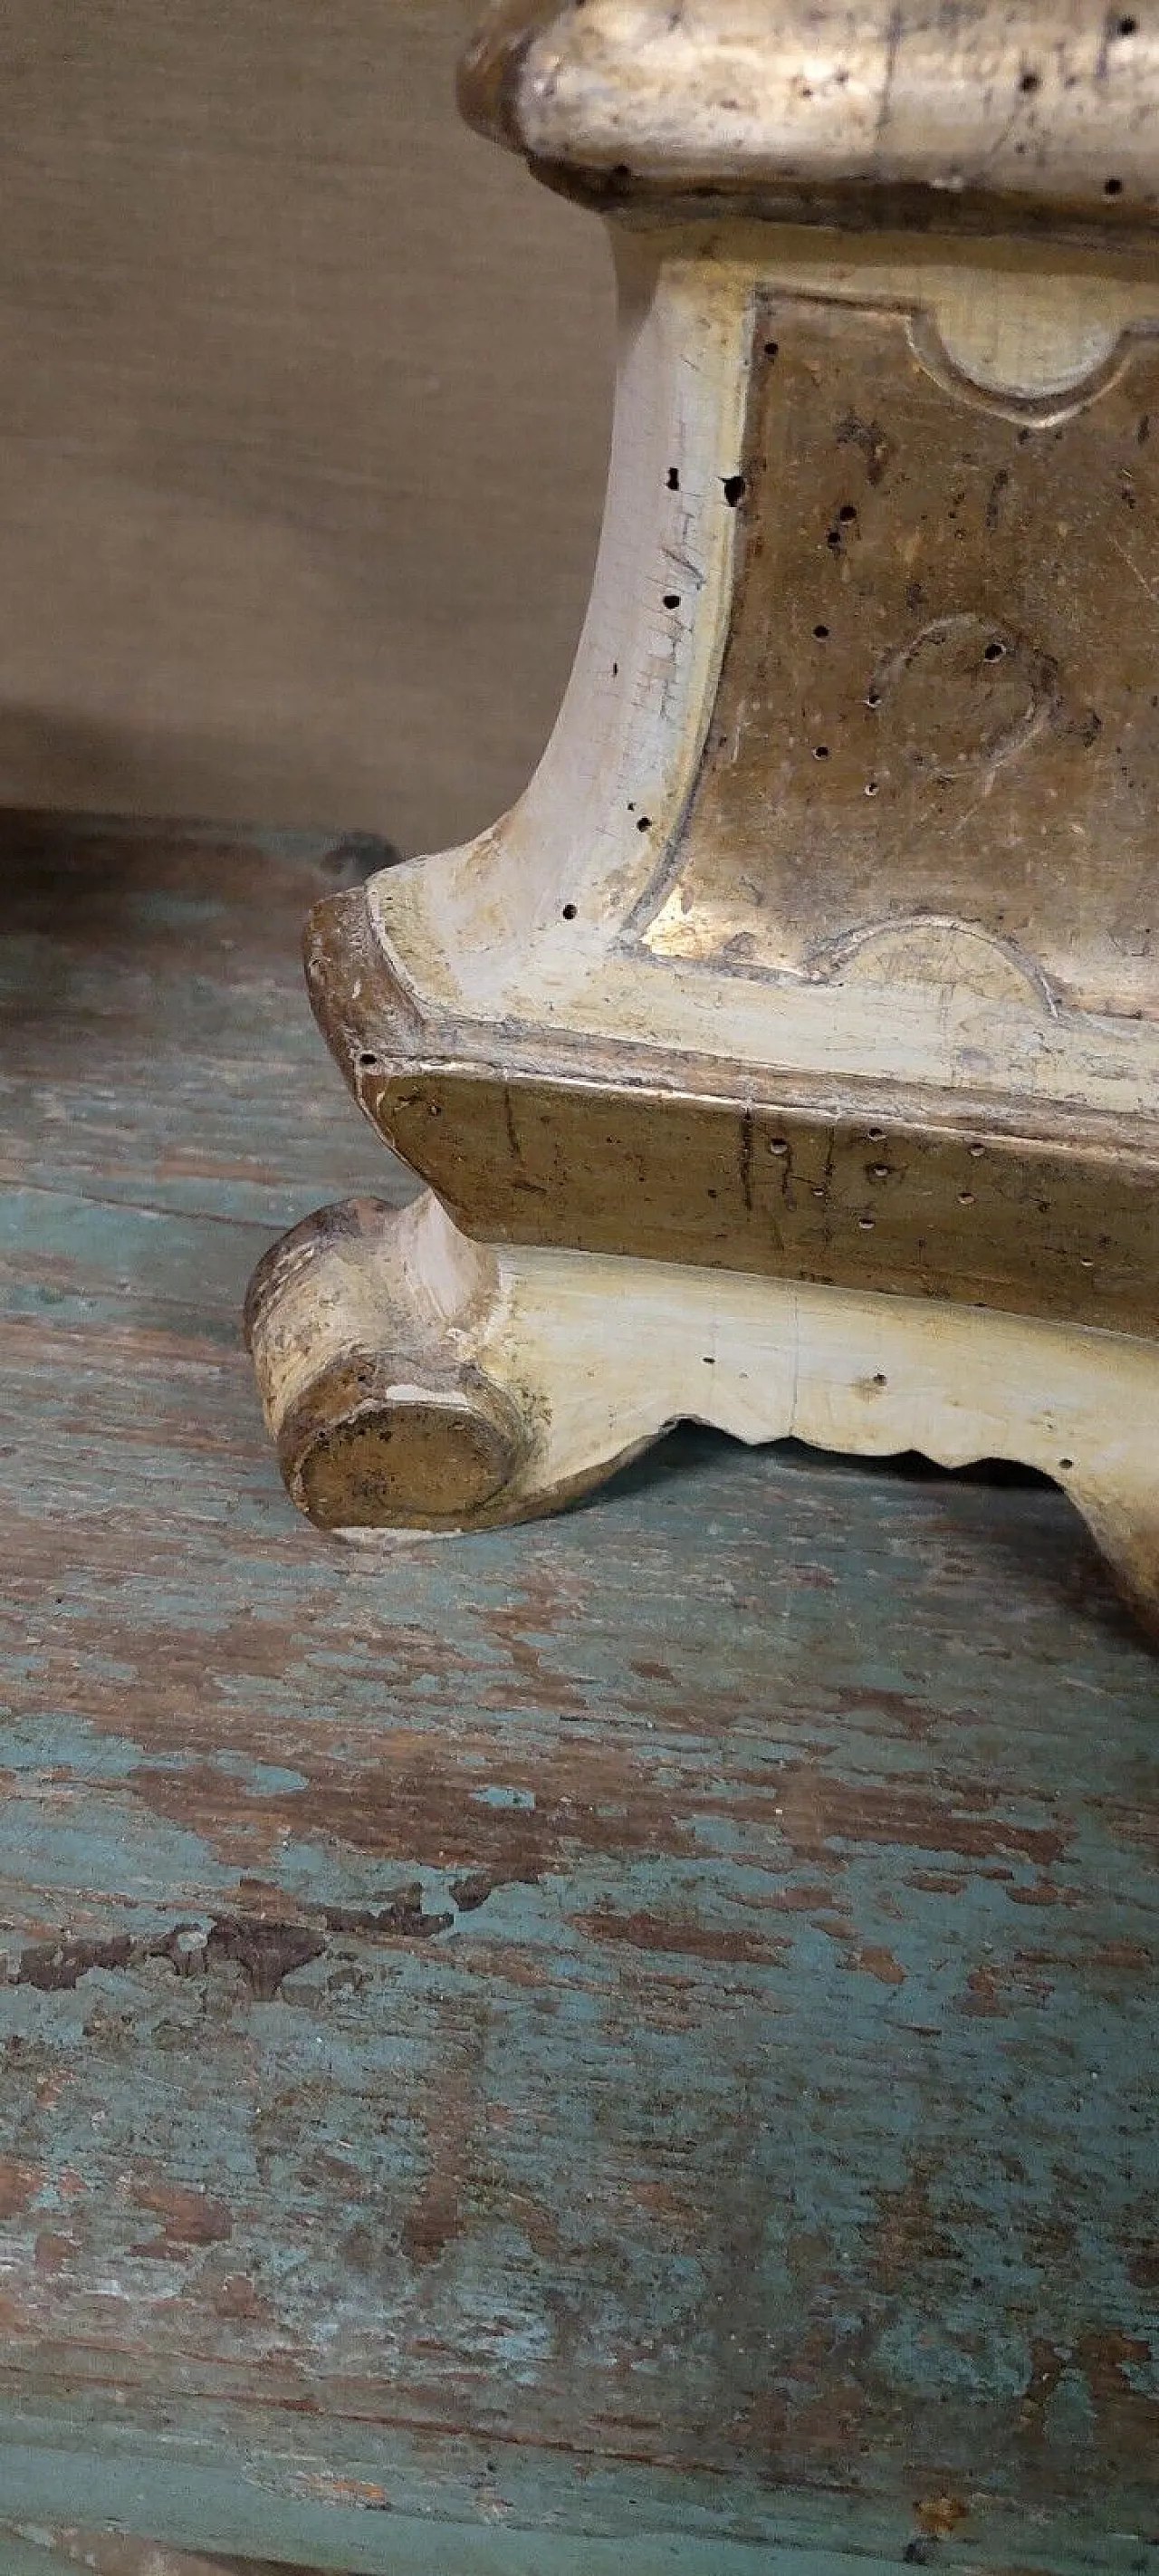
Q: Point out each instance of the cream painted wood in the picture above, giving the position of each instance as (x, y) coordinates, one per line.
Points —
(482, 931)
(597, 1358)
(858, 1025)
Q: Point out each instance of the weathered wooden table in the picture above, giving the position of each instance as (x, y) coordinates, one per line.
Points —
(625, 2044)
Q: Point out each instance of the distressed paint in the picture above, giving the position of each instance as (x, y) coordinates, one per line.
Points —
(1005, 109)
(631, 2036)
(818, 952)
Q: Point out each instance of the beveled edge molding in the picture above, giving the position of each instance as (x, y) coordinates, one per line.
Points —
(1014, 111)
(549, 1140)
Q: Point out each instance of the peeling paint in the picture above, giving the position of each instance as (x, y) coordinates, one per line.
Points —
(660, 2002)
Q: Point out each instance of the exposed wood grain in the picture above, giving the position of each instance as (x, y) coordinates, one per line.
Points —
(626, 2043)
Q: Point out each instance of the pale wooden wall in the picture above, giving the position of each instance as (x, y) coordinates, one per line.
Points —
(303, 417)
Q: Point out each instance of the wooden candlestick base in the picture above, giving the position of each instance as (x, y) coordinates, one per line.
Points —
(415, 1379)
(789, 1057)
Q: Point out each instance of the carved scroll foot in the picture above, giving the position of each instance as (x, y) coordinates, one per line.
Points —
(414, 1379)
(363, 1325)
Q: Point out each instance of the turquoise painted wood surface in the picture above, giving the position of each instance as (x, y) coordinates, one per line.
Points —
(625, 2044)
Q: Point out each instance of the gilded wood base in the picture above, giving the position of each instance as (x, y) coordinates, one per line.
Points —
(414, 1379)
(793, 1042)
(544, 1136)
